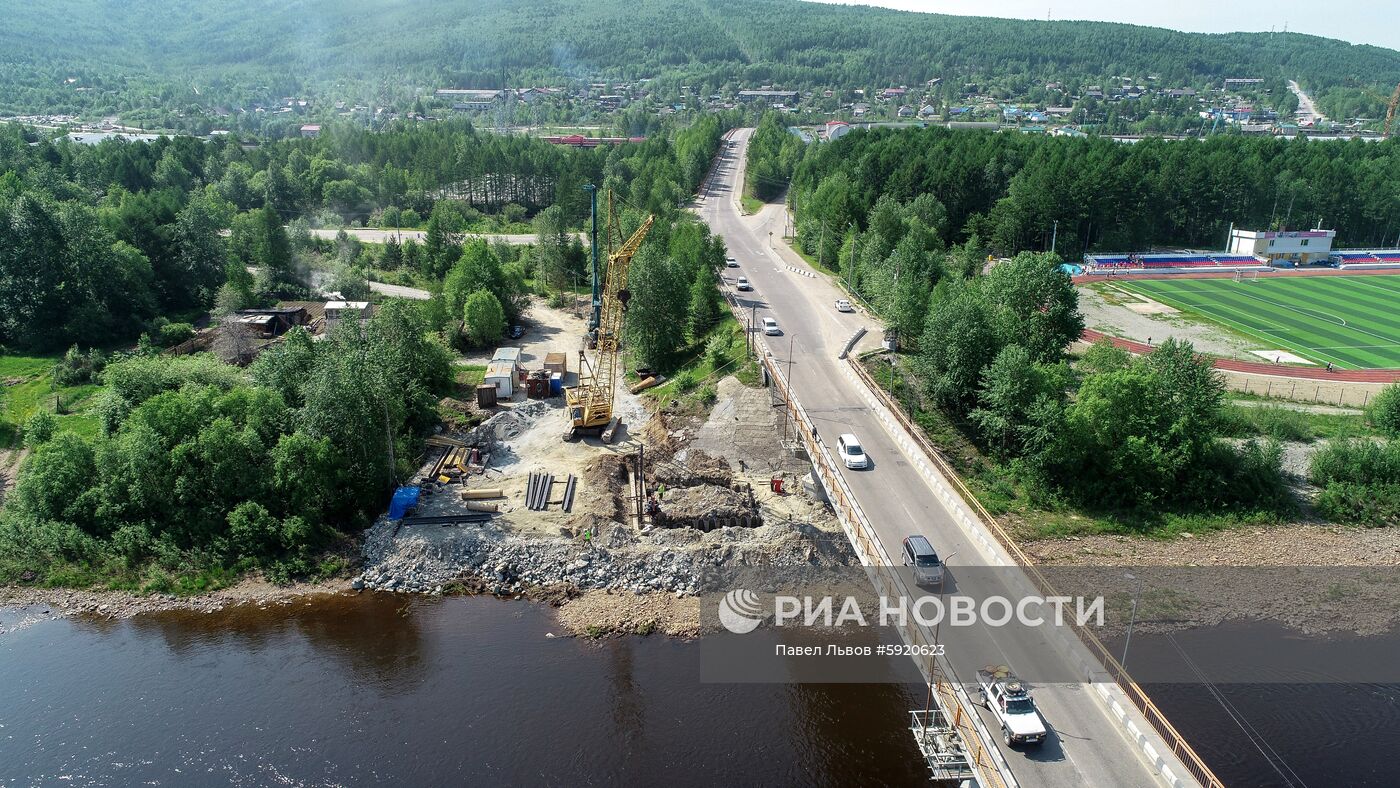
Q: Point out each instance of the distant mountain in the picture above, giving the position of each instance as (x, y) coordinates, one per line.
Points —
(136, 52)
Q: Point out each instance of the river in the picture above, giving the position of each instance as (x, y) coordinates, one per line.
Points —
(415, 691)
(380, 688)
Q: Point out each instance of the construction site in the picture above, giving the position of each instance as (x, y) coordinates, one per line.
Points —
(574, 487)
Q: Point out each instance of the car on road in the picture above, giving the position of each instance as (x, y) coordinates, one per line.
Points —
(731, 262)
(1009, 700)
(770, 327)
(743, 284)
(919, 554)
(842, 305)
(848, 446)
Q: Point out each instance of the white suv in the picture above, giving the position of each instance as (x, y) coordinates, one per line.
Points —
(842, 305)
(851, 453)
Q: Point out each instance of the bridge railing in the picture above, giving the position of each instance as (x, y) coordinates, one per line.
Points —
(983, 756)
(1134, 692)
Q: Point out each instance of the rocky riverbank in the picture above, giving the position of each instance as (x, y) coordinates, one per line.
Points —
(39, 604)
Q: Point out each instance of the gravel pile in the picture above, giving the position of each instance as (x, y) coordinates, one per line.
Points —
(426, 559)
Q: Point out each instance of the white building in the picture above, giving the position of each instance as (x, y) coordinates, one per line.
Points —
(337, 311)
(1301, 247)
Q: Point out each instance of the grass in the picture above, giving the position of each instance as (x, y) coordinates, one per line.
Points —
(751, 205)
(1350, 321)
(26, 387)
(1001, 492)
(1291, 424)
(693, 382)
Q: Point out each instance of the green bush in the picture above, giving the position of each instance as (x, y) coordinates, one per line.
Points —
(1384, 411)
(76, 369)
(706, 395)
(40, 428)
(717, 349)
(1370, 505)
(684, 381)
(172, 334)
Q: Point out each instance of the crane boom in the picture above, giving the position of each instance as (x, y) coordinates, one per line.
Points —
(1390, 112)
(590, 403)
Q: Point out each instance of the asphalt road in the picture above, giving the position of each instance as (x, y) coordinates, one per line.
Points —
(1307, 110)
(1085, 748)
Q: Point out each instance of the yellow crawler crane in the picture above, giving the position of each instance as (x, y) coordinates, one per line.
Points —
(590, 403)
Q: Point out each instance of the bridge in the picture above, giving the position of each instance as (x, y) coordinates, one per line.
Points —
(1105, 730)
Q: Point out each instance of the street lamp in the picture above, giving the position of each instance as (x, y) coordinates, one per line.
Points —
(928, 704)
(1132, 618)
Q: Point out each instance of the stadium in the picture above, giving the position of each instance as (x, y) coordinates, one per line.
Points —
(1284, 300)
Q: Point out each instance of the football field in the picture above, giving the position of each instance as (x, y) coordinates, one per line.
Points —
(1351, 321)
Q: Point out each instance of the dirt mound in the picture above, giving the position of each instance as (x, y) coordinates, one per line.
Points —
(698, 468)
(508, 424)
(605, 480)
(706, 507)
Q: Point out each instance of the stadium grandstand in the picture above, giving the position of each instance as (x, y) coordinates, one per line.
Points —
(1366, 258)
(1180, 262)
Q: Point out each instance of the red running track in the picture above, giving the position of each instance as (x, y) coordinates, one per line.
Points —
(1264, 368)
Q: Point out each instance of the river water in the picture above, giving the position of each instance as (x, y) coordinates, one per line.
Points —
(378, 688)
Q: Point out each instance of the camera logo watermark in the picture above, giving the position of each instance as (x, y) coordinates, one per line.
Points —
(741, 611)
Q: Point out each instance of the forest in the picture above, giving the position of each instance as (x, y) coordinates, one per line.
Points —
(197, 470)
(1008, 193)
(98, 243)
(204, 57)
(1113, 441)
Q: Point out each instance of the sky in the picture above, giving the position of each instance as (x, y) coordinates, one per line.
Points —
(1358, 21)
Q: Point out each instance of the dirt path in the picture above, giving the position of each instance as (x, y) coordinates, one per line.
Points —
(1304, 544)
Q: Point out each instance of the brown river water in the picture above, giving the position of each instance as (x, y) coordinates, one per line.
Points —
(384, 689)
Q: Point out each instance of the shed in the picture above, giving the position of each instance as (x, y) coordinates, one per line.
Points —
(510, 354)
(501, 374)
(556, 363)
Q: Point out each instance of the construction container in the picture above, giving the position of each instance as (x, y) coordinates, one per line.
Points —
(536, 388)
(556, 363)
(556, 384)
(501, 374)
(509, 354)
(486, 395)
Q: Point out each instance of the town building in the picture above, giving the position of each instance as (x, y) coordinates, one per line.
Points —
(1298, 247)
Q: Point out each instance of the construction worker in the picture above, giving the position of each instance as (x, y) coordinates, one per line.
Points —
(661, 491)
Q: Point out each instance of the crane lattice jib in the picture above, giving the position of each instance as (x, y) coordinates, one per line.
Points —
(1390, 112)
(595, 390)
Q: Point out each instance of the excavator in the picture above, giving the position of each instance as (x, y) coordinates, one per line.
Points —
(590, 403)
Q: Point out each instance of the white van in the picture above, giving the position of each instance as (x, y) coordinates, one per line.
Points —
(852, 455)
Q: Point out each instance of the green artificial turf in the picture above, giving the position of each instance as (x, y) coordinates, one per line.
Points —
(1351, 321)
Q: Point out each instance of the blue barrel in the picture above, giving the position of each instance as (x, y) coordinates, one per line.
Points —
(556, 385)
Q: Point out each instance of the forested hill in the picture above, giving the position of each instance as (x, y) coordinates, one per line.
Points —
(199, 52)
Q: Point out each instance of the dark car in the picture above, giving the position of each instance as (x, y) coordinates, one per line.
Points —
(517, 332)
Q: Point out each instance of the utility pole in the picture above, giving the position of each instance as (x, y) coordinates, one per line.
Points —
(1054, 234)
(595, 317)
(753, 320)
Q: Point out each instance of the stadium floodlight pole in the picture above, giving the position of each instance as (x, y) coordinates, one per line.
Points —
(595, 317)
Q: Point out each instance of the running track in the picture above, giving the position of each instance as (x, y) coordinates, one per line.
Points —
(1262, 368)
(1255, 367)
